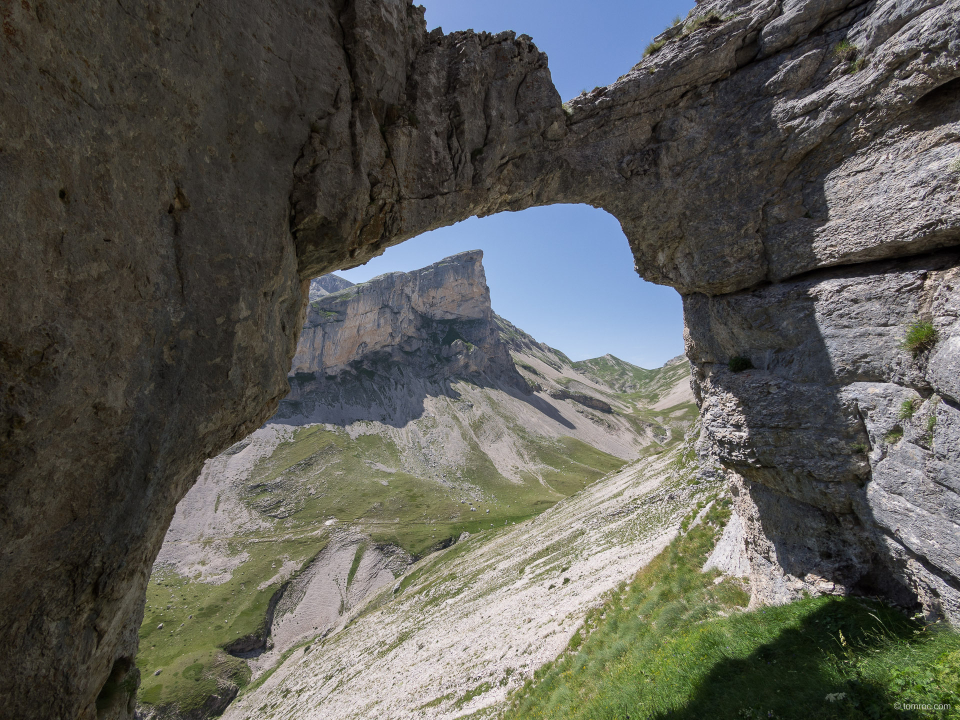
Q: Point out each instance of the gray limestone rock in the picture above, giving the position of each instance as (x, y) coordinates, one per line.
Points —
(836, 478)
(730, 556)
(386, 342)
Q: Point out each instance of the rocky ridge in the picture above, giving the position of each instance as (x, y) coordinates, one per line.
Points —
(155, 286)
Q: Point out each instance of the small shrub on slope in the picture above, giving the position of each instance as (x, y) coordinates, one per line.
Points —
(907, 409)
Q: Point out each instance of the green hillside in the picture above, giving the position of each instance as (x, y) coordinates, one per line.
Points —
(677, 643)
(475, 459)
(637, 383)
(323, 473)
(320, 473)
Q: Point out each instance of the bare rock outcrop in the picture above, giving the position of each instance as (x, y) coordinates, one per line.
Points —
(174, 172)
(384, 343)
(841, 441)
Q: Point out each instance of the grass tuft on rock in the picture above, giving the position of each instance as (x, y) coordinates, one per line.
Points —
(845, 50)
(907, 409)
(921, 335)
(653, 47)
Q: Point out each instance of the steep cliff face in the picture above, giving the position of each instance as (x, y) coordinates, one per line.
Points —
(437, 322)
(173, 172)
(422, 359)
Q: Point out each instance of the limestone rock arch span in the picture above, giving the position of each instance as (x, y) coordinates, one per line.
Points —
(173, 172)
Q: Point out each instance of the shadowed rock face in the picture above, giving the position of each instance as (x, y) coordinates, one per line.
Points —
(841, 488)
(172, 173)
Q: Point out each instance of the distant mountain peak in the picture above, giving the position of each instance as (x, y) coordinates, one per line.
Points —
(327, 284)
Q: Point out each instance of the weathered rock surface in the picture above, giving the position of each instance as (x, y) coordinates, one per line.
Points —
(730, 556)
(730, 158)
(840, 487)
(172, 173)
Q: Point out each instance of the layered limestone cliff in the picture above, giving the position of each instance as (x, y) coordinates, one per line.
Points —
(420, 358)
(421, 320)
(173, 173)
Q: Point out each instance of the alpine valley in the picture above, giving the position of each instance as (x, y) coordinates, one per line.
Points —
(438, 503)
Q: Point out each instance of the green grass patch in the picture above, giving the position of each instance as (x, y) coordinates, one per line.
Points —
(894, 436)
(471, 694)
(529, 368)
(673, 644)
(653, 47)
(355, 565)
(436, 701)
(201, 618)
(921, 335)
(709, 19)
(845, 50)
(907, 409)
(617, 374)
(321, 473)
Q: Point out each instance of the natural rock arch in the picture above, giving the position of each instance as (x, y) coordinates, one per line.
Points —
(174, 172)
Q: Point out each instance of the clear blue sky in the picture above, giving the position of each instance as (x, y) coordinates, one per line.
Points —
(563, 273)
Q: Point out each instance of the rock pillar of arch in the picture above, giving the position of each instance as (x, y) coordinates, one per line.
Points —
(172, 173)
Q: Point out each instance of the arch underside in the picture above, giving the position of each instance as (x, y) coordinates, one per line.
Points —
(172, 175)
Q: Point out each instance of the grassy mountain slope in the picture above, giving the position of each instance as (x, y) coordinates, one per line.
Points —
(657, 404)
(676, 642)
(321, 472)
